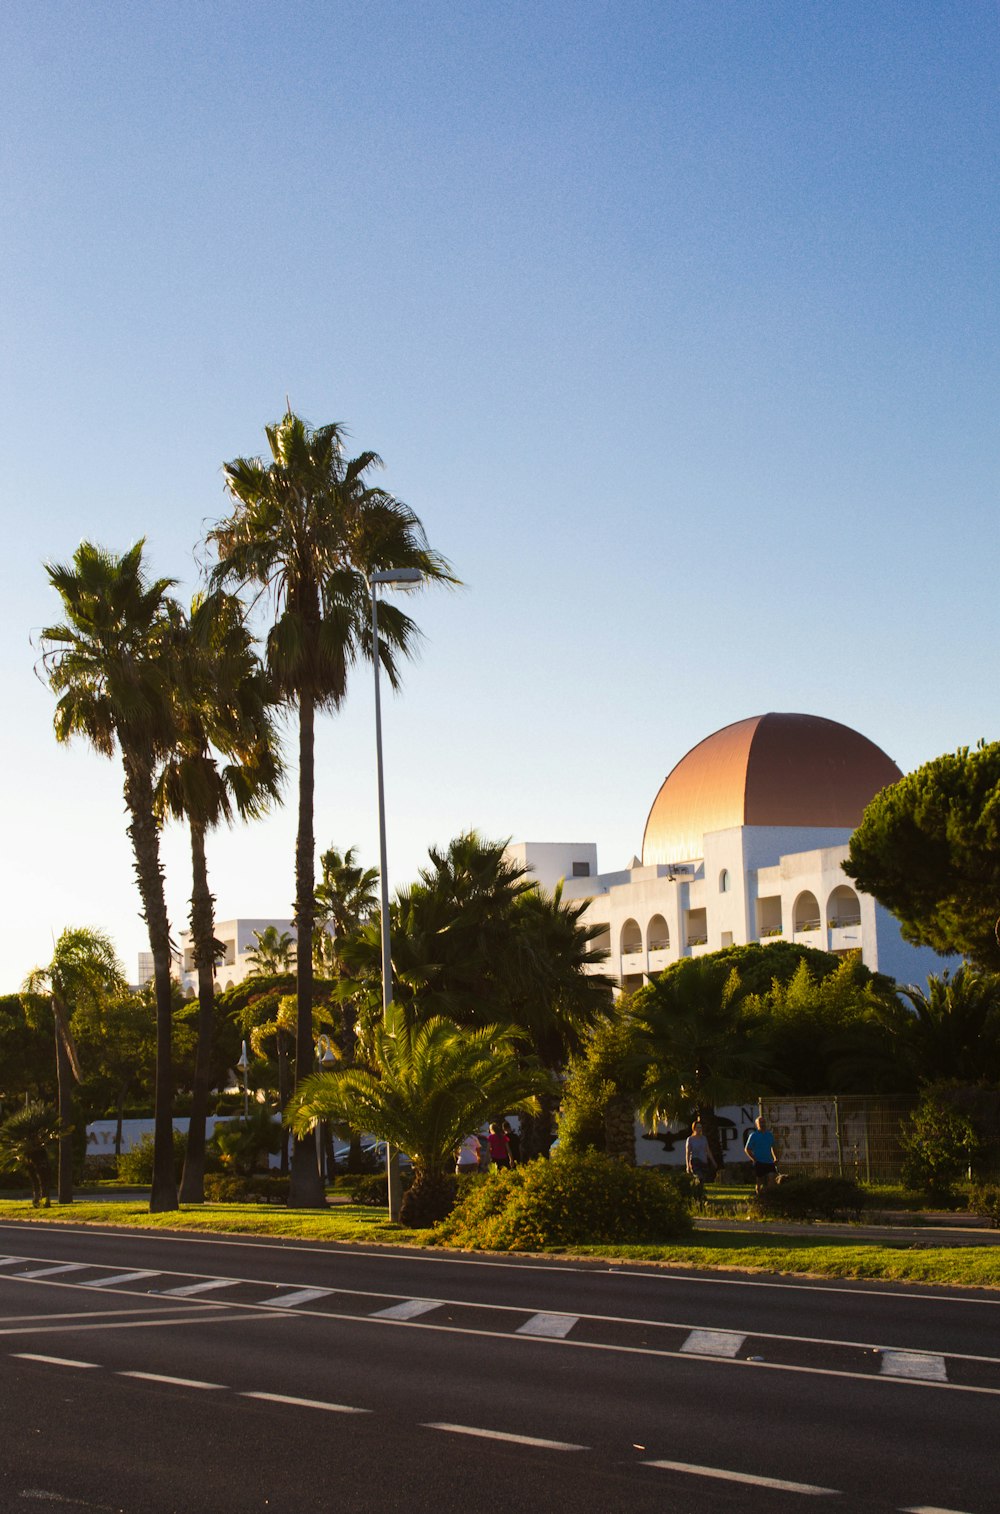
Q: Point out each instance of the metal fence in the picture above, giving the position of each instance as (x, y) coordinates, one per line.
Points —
(850, 1135)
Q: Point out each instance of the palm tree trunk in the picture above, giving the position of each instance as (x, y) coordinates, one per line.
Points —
(283, 1093)
(305, 1189)
(146, 848)
(203, 936)
(64, 1086)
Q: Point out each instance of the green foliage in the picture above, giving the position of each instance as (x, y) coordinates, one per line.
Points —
(25, 1138)
(953, 1032)
(136, 1165)
(610, 1067)
(568, 1201)
(239, 1188)
(939, 1146)
(241, 1143)
(984, 1200)
(928, 848)
(27, 1065)
(810, 1198)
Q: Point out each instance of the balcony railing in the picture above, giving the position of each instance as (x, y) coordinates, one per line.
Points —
(771, 930)
(697, 940)
(801, 926)
(844, 920)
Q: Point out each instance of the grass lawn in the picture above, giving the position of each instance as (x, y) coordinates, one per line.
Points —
(756, 1251)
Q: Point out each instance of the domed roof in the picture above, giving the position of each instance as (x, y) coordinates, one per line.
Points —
(769, 770)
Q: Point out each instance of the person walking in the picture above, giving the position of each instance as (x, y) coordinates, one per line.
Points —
(513, 1143)
(467, 1156)
(698, 1158)
(761, 1151)
(499, 1147)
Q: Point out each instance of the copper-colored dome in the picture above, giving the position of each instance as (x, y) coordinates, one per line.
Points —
(769, 770)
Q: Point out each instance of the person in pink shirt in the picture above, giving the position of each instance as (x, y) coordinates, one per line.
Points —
(499, 1146)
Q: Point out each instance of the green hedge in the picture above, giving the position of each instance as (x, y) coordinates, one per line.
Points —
(571, 1200)
(802, 1198)
(984, 1200)
(371, 1188)
(136, 1165)
(233, 1188)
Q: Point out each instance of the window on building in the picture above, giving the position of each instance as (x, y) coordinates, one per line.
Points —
(581, 869)
(724, 881)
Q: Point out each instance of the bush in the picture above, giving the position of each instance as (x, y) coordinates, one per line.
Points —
(802, 1198)
(984, 1200)
(136, 1165)
(234, 1188)
(371, 1188)
(571, 1200)
(939, 1144)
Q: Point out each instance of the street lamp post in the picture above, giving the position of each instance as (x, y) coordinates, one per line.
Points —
(326, 1058)
(244, 1066)
(398, 578)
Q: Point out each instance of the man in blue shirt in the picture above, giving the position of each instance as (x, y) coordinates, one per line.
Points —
(760, 1149)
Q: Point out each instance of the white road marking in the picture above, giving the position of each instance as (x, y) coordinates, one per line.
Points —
(927, 1508)
(177, 1382)
(923, 1365)
(301, 1296)
(742, 1477)
(12, 1261)
(118, 1277)
(206, 1287)
(713, 1343)
(556, 1326)
(409, 1309)
(53, 1361)
(517, 1440)
(51, 1271)
(305, 1403)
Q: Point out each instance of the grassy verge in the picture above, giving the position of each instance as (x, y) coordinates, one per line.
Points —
(757, 1251)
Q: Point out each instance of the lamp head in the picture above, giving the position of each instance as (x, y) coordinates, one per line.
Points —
(398, 578)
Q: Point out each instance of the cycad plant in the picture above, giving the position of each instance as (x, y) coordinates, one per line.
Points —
(308, 529)
(25, 1138)
(427, 1086)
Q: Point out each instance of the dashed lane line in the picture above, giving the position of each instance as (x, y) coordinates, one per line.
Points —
(176, 1382)
(517, 1440)
(410, 1308)
(555, 1325)
(305, 1403)
(52, 1361)
(300, 1296)
(747, 1478)
(926, 1508)
(713, 1343)
(923, 1365)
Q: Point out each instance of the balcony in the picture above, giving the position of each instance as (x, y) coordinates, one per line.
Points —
(632, 963)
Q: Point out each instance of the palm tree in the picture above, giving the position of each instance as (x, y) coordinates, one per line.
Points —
(109, 665)
(308, 529)
(954, 1030)
(427, 1086)
(84, 969)
(221, 706)
(25, 1138)
(274, 954)
(346, 897)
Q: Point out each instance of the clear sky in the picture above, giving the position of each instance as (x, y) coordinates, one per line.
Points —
(676, 322)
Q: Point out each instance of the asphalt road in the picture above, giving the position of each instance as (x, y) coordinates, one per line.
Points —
(178, 1373)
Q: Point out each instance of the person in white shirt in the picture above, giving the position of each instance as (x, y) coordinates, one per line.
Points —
(467, 1156)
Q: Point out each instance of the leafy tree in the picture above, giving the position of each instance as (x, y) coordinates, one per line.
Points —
(241, 1143)
(108, 664)
(84, 968)
(953, 1032)
(25, 1138)
(928, 848)
(427, 1086)
(309, 528)
(223, 762)
(274, 954)
(603, 1089)
(939, 1145)
(117, 1032)
(26, 1068)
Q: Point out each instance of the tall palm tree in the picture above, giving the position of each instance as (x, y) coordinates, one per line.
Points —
(109, 665)
(84, 968)
(954, 1030)
(346, 897)
(221, 710)
(308, 529)
(427, 1086)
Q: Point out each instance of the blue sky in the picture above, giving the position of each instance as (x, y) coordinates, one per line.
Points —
(676, 323)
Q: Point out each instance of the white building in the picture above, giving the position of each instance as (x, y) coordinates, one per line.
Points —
(238, 940)
(745, 841)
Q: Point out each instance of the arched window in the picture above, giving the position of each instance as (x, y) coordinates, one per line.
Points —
(724, 881)
(843, 908)
(631, 938)
(806, 913)
(658, 934)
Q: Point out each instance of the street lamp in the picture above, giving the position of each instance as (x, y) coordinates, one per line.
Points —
(326, 1058)
(244, 1066)
(400, 578)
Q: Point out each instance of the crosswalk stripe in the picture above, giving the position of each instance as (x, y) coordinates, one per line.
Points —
(409, 1309)
(921, 1364)
(300, 1296)
(557, 1326)
(742, 1477)
(206, 1287)
(118, 1277)
(714, 1343)
(51, 1271)
(12, 1261)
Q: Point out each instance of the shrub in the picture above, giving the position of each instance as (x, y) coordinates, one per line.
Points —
(371, 1188)
(571, 1200)
(136, 1165)
(984, 1200)
(802, 1198)
(938, 1144)
(235, 1188)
